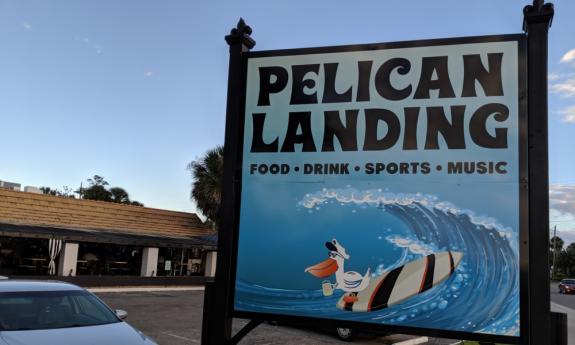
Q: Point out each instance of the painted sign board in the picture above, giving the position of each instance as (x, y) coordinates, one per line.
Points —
(380, 186)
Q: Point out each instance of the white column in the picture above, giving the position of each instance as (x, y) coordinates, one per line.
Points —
(211, 258)
(149, 262)
(68, 260)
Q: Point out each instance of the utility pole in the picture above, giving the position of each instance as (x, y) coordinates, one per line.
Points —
(554, 251)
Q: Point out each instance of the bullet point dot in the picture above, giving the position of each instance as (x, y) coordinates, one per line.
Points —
(438, 168)
(296, 169)
(356, 168)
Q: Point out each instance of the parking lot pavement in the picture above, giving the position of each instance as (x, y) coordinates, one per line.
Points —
(175, 318)
(170, 318)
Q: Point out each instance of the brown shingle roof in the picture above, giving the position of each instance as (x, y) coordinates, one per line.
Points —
(21, 208)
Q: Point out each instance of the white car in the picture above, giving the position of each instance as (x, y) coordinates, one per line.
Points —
(55, 313)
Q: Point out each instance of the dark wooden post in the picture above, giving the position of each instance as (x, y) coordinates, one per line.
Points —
(218, 304)
(536, 22)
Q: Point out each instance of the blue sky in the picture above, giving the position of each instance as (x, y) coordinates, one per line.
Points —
(134, 90)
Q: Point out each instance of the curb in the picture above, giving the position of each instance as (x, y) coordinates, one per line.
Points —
(421, 340)
(145, 289)
(562, 308)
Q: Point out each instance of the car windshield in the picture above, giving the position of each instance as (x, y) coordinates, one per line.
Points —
(21, 311)
(568, 281)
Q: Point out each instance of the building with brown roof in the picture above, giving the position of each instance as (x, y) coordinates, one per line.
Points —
(98, 238)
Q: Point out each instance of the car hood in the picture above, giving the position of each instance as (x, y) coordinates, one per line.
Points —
(119, 333)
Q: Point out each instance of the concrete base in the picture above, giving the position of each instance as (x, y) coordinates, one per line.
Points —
(570, 319)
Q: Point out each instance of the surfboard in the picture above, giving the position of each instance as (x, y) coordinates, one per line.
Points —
(403, 282)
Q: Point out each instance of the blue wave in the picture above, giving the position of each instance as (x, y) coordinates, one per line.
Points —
(481, 296)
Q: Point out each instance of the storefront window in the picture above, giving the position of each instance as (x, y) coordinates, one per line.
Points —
(30, 256)
(179, 261)
(108, 259)
(24, 256)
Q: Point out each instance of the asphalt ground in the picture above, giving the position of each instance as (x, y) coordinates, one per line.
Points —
(175, 318)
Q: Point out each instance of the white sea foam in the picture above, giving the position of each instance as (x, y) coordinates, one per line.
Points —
(414, 246)
(379, 198)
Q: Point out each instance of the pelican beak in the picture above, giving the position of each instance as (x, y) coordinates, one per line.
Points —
(323, 269)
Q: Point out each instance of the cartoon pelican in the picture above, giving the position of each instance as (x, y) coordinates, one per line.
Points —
(350, 282)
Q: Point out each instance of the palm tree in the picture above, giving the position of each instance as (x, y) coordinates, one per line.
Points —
(556, 243)
(207, 173)
(119, 195)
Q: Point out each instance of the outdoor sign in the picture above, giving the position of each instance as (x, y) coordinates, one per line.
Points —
(380, 185)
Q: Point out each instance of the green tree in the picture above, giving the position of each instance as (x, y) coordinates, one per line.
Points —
(566, 260)
(97, 180)
(65, 191)
(555, 249)
(119, 195)
(49, 191)
(97, 190)
(556, 246)
(207, 173)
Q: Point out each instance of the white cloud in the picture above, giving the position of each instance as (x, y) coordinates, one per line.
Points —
(564, 221)
(562, 198)
(564, 87)
(98, 49)
(27, 26)
(562, 210)
(569, 56)
(553, 76)
(568, 114)
(566, 236)
(148, 74)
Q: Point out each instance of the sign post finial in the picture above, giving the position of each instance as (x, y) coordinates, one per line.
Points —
(538, 12)
(241, 34)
